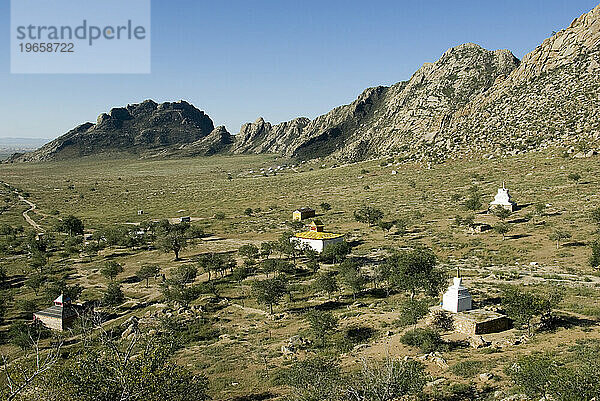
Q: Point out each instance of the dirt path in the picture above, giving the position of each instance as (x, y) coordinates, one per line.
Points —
(32, 208)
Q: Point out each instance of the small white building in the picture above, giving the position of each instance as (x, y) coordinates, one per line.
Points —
(503, 200)
(457, 298)
(316, 238)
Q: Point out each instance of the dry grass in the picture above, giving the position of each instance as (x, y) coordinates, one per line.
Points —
(109, 192)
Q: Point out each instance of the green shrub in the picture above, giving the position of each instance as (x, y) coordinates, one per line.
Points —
(411, 311)
(442, 320)
(466, 368)
(427, 340)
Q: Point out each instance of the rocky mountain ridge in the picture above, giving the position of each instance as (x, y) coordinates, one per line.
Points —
(469, 102)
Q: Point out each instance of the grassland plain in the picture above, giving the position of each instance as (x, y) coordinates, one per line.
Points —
(104, 192)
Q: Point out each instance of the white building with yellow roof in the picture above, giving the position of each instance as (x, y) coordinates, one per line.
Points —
(316, 238)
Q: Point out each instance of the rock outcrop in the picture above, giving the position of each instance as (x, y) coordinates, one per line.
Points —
(133, 129)
(385, 118)
(551, 99)
(218, 141)
(471, 102)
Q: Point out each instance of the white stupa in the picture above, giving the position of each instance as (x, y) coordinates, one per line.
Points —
(457, 298)
(503, 200)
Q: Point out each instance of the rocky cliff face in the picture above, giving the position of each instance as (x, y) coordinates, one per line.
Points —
(136, 128)
(551, 99)
(385, 118)
(218, 141)
(469, 102)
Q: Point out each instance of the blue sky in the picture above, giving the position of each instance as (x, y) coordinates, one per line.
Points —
(238, 60)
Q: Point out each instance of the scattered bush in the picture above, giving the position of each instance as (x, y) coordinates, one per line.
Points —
(427, 340)
(411, 311)
(466, 369)
(442, 320)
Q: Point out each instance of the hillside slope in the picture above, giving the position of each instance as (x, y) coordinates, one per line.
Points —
(552, 98)
(385, 118)
(133, 129)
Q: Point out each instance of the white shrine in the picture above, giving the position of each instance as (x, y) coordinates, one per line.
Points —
(457, 298)
(503, 200)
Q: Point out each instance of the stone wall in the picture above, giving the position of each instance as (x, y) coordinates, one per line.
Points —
(480, 321)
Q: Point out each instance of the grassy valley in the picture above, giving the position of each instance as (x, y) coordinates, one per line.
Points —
(243, 350)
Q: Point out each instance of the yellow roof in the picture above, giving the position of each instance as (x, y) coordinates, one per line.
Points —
(317, 235)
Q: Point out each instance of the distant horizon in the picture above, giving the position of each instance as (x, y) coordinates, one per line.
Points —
(276, 60)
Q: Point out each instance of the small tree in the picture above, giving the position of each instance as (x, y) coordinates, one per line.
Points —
(266, 248)
(146, 272)
(523, 306)
(113, 295)
(321, 324)
(287, 247)
(216, 263)
(269, 266)
(70, 225)
(335, 253)
(172, 237)
(386, 226)
(36, 282)
(502, 229)
(595, 256)
(473, 202)
(595, 216)
(326, 282)
(353, 277)
(412, 310)
(111, 270)
(249, 251)
(415, 270)
(540, 209)
(559, 235)
(502, 213)
(39, 261)
(177, 287)
(248, 211)
(368, 215)
(312, 259)
(269, 292)
(325, 206)
(427, 339)
(183, 275)
(401, 225)
(240, 274)
(195, 232)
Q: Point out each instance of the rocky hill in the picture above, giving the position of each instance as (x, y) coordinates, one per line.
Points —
(383, 119)
(469, 102)
(551, 99)
(137, 128)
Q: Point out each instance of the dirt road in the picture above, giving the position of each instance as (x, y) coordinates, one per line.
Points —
(26, 216)
(32, 208)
